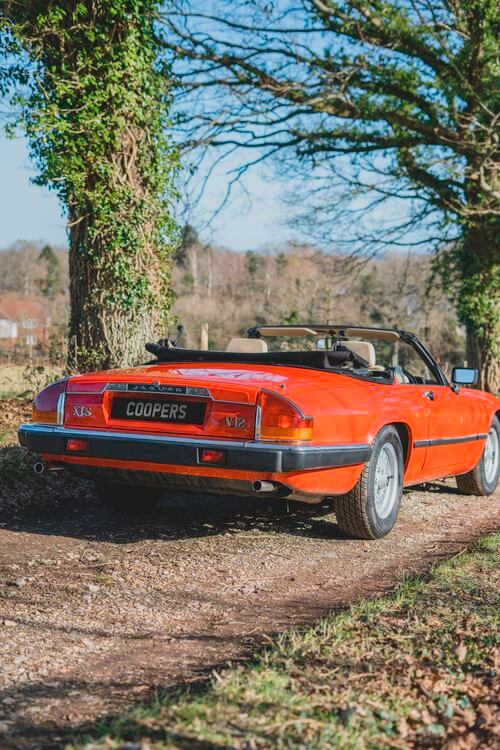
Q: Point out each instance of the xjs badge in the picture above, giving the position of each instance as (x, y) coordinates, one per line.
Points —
(82, 411)
(238, 423)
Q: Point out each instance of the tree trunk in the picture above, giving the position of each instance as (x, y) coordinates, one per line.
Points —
(479, 355)
(121, 238)
(104, 333)
(96, 113)
(473, 354)
(120, 270)
(479, 303)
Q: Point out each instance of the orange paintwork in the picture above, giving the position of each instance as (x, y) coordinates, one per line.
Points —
(344, 410)
(214, 424)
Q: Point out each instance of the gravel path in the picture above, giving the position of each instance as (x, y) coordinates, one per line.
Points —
(97, 609)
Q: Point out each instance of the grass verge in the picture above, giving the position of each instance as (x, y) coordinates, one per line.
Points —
(415, 669)
(21, 381)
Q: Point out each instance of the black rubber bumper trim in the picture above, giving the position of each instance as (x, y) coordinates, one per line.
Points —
(262, 458)
(322, 458)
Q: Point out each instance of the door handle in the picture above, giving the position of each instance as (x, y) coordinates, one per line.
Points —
(429, 395)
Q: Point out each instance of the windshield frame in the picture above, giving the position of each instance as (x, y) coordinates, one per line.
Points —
(365, 332)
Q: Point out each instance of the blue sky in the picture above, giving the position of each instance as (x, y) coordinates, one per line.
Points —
(29, 212)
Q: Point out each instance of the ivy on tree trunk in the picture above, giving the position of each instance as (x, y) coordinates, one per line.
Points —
(94, 102)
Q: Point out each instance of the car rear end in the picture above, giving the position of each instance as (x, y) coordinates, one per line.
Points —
(189, 429)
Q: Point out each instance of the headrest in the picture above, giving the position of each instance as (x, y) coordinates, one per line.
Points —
(364, 349)
(247, 346)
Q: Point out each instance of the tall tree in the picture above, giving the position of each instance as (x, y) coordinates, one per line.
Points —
(49, 284)
(365, 101)
(189, 237)
(94, 103)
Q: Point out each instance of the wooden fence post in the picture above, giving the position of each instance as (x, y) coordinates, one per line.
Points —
(204, 337)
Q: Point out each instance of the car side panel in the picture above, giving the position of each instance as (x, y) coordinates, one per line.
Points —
(356, 413)
(407, 407)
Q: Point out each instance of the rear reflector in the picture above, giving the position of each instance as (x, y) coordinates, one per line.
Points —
(75, 445)
(209, 456)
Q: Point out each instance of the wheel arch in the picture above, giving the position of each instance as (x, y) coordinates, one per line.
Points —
(404, 433)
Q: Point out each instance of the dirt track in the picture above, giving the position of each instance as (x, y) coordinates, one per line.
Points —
(98, 609)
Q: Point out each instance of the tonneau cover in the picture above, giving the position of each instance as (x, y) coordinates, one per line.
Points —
(317, 359)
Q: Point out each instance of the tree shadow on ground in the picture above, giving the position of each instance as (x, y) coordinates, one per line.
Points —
(43, 733)
(64, 505)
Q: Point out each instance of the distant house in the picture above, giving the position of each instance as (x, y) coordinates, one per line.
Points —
(8, 329)
(23, 321)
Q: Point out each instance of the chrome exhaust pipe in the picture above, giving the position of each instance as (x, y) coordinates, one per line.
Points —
(262, 486)
(40, 467)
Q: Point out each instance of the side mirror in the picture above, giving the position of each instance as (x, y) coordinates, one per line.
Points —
(464, 376)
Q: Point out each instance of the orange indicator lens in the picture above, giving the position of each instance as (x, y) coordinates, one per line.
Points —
(45, 403)
(283, 420)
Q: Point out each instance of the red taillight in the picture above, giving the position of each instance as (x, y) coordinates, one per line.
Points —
(282, 420)
(45, 405)
(75, 445)
(209, 456)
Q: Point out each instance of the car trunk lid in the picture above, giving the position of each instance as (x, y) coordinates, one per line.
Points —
(191, 401)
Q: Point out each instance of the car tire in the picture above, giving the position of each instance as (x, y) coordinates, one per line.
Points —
(483, 478)
(128, 498)
(370, 509)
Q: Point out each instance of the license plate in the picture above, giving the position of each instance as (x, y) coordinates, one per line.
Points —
(158, 410)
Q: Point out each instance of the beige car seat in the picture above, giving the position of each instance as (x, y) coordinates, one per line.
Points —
(247, 346)
(366, 350)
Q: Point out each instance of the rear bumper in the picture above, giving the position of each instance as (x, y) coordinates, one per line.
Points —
(158, 449)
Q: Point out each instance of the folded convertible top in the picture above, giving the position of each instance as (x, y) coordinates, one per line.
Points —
(316, 359)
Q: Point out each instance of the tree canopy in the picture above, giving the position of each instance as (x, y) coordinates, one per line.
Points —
(364, 101)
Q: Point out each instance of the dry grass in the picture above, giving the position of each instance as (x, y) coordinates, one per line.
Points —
(20, 381)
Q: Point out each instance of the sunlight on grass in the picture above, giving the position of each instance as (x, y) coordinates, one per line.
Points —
(411, 669)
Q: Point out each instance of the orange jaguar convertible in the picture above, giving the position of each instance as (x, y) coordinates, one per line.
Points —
(302, 413)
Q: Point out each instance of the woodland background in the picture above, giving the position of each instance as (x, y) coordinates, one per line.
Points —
(232, 290)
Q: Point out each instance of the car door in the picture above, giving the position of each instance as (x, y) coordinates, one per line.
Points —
(453, 429)
(452, 420)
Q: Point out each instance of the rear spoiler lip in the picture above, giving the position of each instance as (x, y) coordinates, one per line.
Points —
(160, 449)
